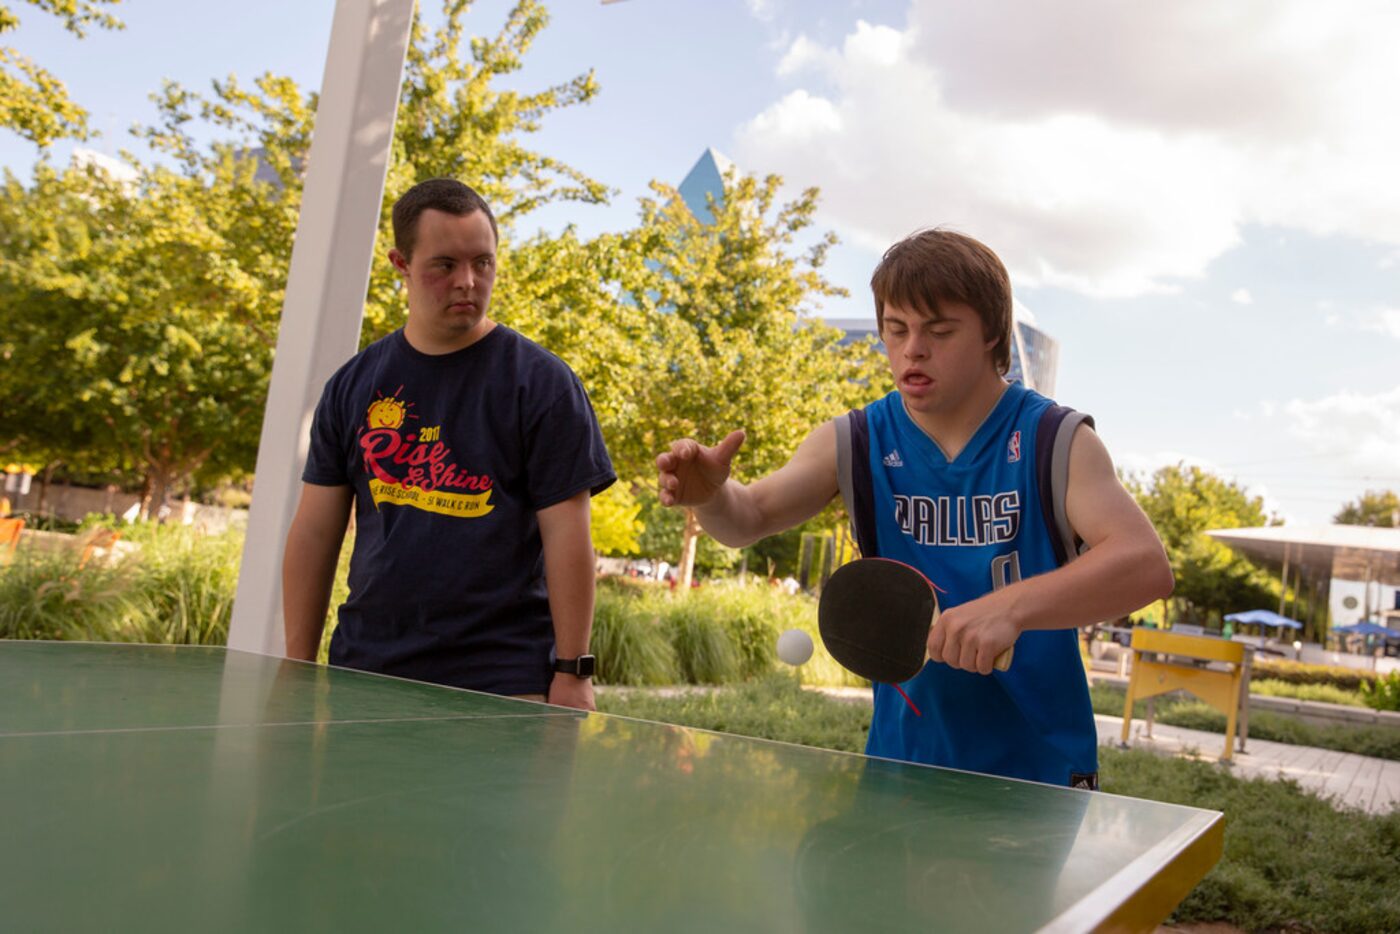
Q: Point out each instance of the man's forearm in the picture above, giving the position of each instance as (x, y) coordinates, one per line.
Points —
(569, 573)
(308, 573)
(1106, 582)
(732, 517)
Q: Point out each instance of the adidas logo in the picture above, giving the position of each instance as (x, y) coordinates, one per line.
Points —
(893, 459)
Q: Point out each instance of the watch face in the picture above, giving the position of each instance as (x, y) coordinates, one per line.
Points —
(585, 666)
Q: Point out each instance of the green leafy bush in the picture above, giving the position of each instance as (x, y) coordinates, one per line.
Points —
(1324, 693)
(631, 647)
(1348, 679)
(1383, 693)
(47, 596)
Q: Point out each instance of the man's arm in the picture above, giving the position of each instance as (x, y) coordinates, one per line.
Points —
(738, 515)
(308, 566)
(1124, 569)
(569, 574)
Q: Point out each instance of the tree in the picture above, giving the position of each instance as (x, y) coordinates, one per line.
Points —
(734, 343)
(33, 102)
(1183, 502)
(613, 521)
(1377, 508)
(149, 308)
(125, 326)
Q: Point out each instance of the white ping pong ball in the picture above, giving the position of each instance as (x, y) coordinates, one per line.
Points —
(794, 647)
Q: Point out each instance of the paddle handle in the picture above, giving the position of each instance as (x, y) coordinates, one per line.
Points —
(1003, 661)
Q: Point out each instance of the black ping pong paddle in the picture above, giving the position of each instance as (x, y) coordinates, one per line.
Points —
(874, 617)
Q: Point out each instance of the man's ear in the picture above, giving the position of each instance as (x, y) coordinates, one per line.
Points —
(400, 261)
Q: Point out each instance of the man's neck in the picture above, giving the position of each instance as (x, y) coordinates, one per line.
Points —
(953, 428)
(437, 344)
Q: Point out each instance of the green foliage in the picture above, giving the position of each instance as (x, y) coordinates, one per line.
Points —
(663, 537)
(717, 633)
(1324, 693)
(182, 588)
(631, 647)
(177, 587)
(1338, 676)
(1211, 580)
(1292, 861)
(1379, 508)
(46, 596)
(33, 101)
(737, 327)
(613, 521)
(154, 305)
(705, 648)
(773, 707)
(1383, 693)
(730, 302)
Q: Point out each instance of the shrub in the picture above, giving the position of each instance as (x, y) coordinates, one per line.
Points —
(1325, 693)
(1348, 679)
(631, 647)
(704, 650)
(47, 596)
(1383, 693)
(182, 589)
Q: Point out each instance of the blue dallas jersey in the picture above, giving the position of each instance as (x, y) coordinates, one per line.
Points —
(984, 520)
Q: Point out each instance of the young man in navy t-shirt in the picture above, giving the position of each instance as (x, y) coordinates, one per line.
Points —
(468, 454)
(988, 488)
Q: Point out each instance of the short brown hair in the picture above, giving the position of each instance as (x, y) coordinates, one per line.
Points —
(930, 267)
(437, 194)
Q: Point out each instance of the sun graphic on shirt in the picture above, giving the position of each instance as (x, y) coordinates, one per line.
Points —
(389, 411)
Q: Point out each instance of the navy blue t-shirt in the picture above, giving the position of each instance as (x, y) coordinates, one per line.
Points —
(450, 457)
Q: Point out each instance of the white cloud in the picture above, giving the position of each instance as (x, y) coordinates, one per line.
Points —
(764, 10)
(1242, 297)
(1146, 462)
(1384, 320)
(799, 118)
(1104, 147)
(1358, 429)
(803, 54)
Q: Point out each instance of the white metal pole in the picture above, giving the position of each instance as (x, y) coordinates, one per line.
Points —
(326, 286)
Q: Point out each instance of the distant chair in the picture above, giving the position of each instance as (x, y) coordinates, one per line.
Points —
(9, 538)
(94, 540)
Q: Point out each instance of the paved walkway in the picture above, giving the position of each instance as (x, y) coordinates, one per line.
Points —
(1349, 780)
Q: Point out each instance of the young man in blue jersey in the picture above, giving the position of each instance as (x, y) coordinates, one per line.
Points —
(1008, 502)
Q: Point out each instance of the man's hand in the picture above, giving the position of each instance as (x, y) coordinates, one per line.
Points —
(566, 690)
(691, 474)
(972, 635)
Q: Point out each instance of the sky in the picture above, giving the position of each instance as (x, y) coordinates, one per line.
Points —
(1198, 200)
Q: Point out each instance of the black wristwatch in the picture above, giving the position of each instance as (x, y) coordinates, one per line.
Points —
(581, 667)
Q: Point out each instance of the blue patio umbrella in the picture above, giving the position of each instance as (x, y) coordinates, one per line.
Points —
(1264, 618)
(1368, 628)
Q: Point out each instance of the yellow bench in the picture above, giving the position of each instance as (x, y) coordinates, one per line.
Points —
(1168, 661)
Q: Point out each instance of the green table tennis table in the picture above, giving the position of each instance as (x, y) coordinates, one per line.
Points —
(170, 788)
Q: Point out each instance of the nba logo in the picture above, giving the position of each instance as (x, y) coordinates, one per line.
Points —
(1013, 448)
